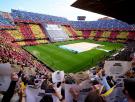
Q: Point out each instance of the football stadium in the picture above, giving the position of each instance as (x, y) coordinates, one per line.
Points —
(47, 58)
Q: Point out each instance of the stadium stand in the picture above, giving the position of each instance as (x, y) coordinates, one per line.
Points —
(26, 31)
(21, 43)
(131, 35)
(5, 23)
(30, 30)
(98, 35)
(113, 36)
(35, 17)
(71, 32)
(86, 33)
(37, 31)
(6, 36)
(109, 24)
(106, 34)
(14, 54)
(92, 34)
(67, 31)
(56, 33)
(32, 23)
(79, 34)
(122, 35)
(16, 33)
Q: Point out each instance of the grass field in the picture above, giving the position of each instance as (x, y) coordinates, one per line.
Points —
(60, 59)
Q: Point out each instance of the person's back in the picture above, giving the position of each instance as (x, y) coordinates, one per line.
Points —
(94, 97)
(129, 89)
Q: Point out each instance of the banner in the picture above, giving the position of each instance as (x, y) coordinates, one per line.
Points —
(58, 76)
(116, 68)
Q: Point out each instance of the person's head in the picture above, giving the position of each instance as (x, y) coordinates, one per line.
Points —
(24, 79)
(94, 82)
(129, 89)
(94, 97)
(47, 98)
(103, 72)
(14, 77)
(94, 72)
(133, 64)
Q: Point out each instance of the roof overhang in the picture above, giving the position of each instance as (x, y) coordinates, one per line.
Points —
(119, 9)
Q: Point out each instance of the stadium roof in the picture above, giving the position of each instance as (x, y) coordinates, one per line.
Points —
(119, 9)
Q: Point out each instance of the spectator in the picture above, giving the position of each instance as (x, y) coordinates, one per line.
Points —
(129, 89)
(10, 92)
(94, 97)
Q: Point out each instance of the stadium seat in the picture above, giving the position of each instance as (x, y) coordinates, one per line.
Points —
(92, 34)
(12, 53)
(26, 31)
(42, 41)
(102, 24)
(79, 33)
(121, 40)
(74, 35)
(21, 43)
(122, 35)
(86, 33)
(102, 39)
(113, 36)
(16, 34)
(37, 31)
(4, 34)
(67, 31)
(131, 35)
(36, 17)
(105, 34)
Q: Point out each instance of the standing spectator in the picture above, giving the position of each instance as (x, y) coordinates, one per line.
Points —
(129, 89)
(10, 92)
(94, 97)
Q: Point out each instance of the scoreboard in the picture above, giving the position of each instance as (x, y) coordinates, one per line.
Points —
(81, 18)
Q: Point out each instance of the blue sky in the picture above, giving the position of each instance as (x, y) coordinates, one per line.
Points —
(53, 7)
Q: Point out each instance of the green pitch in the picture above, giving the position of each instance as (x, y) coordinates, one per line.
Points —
(60, 59)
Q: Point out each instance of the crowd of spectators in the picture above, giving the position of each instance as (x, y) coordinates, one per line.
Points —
(36, 17)
(111, 24)
(119, 31)
(10, 52)
(44, 86)
(101, 24)
(5, 23)
(91, 86)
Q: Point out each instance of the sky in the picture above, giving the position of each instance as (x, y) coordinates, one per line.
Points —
(60, 8)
